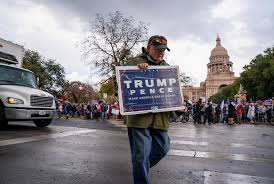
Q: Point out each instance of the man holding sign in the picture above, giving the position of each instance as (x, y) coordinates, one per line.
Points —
(149, 141)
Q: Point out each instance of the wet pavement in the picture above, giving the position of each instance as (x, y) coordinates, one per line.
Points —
(91, 151)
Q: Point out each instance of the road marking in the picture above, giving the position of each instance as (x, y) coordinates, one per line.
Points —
(42, 137)
(229, 178)
(189, 143)
(119, 124)
(215, 155)
(213, 137)
(235, 145)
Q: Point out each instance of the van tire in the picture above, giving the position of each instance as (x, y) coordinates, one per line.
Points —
(42, 122)
(3, 121)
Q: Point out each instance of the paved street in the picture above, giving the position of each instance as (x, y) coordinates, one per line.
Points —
(89, 151)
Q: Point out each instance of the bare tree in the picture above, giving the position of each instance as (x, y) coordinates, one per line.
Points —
(111, 41)
(77, 91)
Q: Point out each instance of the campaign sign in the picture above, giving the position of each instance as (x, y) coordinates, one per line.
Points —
(156, 89)
(268, 102)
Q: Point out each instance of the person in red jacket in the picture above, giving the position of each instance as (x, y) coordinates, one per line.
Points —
(240, 111)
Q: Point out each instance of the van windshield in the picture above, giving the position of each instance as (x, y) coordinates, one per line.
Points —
(16, 76)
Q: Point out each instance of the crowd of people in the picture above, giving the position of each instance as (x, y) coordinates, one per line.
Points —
(87, 110)
(230, 112)
(202, 113)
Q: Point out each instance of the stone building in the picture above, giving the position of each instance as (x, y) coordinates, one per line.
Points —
(219, 74)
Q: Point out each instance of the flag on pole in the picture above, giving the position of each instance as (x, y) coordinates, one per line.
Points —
(235, 101)
(222, 104)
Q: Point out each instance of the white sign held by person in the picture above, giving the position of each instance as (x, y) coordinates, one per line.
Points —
(115, 111)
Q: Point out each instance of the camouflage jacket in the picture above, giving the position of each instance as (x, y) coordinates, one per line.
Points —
(154, 120)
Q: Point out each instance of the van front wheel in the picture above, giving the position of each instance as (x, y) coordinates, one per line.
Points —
(3, 121)
(42, 122)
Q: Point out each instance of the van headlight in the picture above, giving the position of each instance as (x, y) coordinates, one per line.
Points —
(12, 100)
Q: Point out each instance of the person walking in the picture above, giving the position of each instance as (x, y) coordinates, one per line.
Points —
(218, 112)
(269, 114)
(104, 109)
(231, 112)
(251, 113)
(209, 113)
(225, 114)
(244, 115)
(98, 110)
(197, 111)
(240, 112)
(147, 133)
(108, 111)
(66, 110)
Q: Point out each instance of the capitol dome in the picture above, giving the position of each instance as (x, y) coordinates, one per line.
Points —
(219, 60)
(219, 50)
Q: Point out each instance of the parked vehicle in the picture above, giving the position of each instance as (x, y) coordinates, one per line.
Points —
(20, 98)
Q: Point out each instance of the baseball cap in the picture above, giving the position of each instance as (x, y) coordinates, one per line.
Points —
(159, 42)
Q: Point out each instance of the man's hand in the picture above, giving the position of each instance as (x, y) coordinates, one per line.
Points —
(143, 66)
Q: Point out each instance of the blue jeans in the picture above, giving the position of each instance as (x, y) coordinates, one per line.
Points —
(148, 146)
(103, 115)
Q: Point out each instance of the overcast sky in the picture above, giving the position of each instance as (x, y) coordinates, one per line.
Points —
(54, 28)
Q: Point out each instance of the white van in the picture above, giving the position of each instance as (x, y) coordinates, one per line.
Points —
(20, 98)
